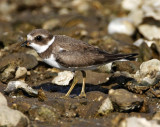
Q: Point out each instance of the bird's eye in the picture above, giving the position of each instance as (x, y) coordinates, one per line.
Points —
(39, 38)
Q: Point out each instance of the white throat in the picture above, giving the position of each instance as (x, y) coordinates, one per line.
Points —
(42, 48)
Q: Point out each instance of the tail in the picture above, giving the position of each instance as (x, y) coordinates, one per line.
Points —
(115, 57)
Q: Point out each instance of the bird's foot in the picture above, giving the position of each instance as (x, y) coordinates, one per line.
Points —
(65, 97)
(82, 95)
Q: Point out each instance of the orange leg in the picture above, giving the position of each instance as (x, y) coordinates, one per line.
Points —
(72, 86)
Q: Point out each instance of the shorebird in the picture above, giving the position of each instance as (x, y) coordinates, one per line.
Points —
(67, 53)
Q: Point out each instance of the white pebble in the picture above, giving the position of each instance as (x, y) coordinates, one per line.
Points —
(63, 78)
(121, 26)
(21, 71)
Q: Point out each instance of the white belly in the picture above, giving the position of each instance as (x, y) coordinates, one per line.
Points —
(52, 62)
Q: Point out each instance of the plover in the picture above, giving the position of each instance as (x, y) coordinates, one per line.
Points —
(67, 53)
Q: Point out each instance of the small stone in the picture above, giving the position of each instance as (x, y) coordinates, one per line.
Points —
(3, 100)
(105, 68)
(139, 42)
(149, 67)
(46, 9)
(145, 52)
(43, 113)
(124, 101)
(145, 78)
(10, 117)
(7, 8)
(63, 11)
(149, 71)
(21, 72)
(138, 122)
(34, 53)
(106, 107)
(149, 31)
(131, 4)
(63, 78)
(19, 59)
(22, 106)
(81, 5)
(136, 16)
(129, 66)
(121, 26)
(28, 73)
(8, 73)
(15, 85)
(41, 95)
(151, 9)
(50, 24)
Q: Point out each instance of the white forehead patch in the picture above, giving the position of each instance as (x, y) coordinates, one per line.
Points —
(42, 48)
(29, 37)
(44, 36)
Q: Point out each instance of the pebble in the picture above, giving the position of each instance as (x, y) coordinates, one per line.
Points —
(129, 66)
(6, 8)
(145, 78)
(139, 122)
(148, 8)
(43, 113)
(121, 26)
(145, 52)
(10, 117)
(15, 85)
(81, 5)
(124, 101)
(149, 71)
(21, 72)
(63, 78)
(22, 106)
(139, 42)
(3, 100)
(151, 9)
(106, 107)
(63, 11)
(130, 5)
(50, 24)
(19, 59)
(105, 68)
(149, 31)
(136, 16)
(7, 73)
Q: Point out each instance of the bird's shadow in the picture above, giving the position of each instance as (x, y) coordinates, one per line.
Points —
(50, 87)
(119, 80)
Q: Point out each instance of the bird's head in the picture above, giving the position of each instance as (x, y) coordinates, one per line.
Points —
(39, 40)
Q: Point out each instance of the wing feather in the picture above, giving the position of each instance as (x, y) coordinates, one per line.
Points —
(76, 53)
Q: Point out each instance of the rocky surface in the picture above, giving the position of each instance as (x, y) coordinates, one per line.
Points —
(138, 122)
(10, 117)
(118, 94)
(125, 101)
